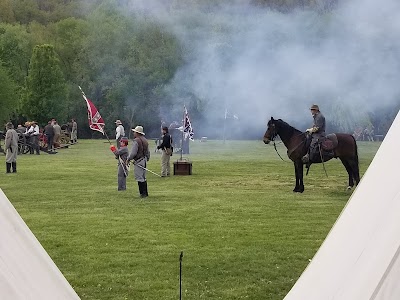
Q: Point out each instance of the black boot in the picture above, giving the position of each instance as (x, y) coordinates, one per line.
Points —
(145, 192)
(8, 167)
(14, 167)
(142, 189)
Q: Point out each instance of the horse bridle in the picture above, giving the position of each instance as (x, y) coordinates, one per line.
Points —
(274, 134)
(272, 138)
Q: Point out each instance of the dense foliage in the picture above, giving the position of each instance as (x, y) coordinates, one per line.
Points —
(122, 61)
(45, 87)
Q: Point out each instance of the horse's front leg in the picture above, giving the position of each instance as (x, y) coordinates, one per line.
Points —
(298, 170)
(296, 188)
(300, 175)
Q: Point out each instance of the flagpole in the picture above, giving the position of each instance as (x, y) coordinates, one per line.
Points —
(180, 275)
(223, 136)
(183, 129)
(105, 133)
(81, 90)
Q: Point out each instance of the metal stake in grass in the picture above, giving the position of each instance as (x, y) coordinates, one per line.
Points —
(180, 275)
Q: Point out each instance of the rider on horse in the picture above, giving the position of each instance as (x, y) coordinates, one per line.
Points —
(315, 133)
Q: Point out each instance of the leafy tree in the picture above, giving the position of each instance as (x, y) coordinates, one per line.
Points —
(26, 11)
(69, 35)
(7, 96)
(46, 87)
(15, 51)
(6, 11)
(125, 73)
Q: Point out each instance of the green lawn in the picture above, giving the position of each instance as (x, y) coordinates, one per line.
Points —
(244, 233)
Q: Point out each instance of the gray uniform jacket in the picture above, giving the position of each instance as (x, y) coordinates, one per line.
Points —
(319, 122)
(140, 154)
(11, 145)
(122, 155)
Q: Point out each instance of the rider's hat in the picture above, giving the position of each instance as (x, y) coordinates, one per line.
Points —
(314, 107)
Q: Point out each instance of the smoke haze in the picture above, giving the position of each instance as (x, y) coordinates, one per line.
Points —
(257, 63)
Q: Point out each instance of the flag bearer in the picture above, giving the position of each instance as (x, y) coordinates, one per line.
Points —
(121, 154)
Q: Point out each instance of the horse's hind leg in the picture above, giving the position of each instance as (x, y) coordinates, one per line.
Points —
(347, 165)
(355, 170)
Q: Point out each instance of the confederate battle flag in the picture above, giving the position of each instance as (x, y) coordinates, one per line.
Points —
(96, 122)
(187, 126)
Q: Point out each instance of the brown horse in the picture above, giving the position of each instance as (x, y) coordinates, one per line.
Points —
(343, 146)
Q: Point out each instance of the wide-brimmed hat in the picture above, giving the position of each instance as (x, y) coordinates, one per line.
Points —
(314, 107)
(118, 122)
(139, 129)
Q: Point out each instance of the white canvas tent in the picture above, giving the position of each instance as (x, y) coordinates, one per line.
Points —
(359, 259)
(26, 270)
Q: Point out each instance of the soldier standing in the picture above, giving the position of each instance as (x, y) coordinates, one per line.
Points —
(166, 147)
(57, 134)
(11, 145)
(74, 131)
(119, 132)
(140, 154)
(33, 132)
(122, 155)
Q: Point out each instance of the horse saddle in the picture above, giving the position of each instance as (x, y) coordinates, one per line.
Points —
(329, 142)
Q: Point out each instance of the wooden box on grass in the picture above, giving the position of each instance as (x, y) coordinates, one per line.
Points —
(182, 167)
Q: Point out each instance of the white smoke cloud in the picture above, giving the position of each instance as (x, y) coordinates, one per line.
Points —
(258, 63)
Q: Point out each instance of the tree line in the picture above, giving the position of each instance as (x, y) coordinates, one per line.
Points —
(123, 62)
(48, 48)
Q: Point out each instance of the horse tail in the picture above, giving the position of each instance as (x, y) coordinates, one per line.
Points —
(356, 165)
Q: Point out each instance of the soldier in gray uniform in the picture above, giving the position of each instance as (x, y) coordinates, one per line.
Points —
(119, 132)
(316, 131)
(11, 145)
(74, 132)
(139, 155)
(122, 155)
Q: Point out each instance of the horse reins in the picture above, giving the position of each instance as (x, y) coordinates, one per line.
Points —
(278, 153)
(322, 159)
(288, 149)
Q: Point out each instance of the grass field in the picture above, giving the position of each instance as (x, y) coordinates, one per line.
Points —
(244, 233)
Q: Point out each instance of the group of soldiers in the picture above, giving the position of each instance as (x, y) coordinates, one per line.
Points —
(138, 157)
(49, 138)
(26, 138)
(366, 134)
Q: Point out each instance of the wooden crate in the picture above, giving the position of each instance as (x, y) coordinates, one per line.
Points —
(182, 167)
